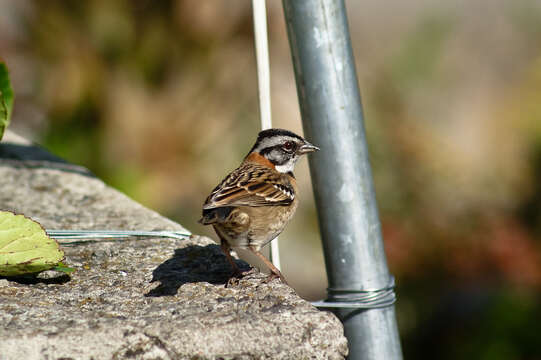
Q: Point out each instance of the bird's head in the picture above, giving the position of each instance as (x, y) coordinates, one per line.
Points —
(282, 148)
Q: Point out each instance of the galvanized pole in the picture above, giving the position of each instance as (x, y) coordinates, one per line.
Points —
(333, 120)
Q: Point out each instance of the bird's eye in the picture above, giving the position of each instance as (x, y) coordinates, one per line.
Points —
(288, 146)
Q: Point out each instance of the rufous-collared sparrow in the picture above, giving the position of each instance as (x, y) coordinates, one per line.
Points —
(254, 203)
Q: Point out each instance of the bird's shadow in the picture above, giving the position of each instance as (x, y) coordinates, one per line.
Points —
(192, 264)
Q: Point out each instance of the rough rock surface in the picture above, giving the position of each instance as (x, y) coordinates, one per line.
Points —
(139, 298)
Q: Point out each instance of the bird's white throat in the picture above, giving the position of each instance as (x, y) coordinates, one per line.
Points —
(286, 168)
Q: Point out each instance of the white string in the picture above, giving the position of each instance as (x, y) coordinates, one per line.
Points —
(263, 81)
(63, 235)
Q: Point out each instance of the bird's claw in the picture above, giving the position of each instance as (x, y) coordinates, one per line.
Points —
(273, 276)
(236, 275)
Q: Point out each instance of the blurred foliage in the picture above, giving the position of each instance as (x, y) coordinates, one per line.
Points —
(160, 100)
(6, 98)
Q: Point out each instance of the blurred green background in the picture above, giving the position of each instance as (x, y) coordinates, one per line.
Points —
(159, 99)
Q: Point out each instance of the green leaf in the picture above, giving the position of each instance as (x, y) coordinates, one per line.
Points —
(6, 98)
(25, 247)
(63, 268)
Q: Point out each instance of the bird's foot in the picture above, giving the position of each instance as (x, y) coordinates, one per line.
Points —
(273, 276)
(236, 275)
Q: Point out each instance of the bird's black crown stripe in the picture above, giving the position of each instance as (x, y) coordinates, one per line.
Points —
(273, 132)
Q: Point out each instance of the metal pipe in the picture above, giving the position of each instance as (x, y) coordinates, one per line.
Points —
(332, 118)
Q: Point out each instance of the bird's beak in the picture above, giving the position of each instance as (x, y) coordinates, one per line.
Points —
(307, 148)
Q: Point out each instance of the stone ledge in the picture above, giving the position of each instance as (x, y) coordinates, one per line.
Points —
(142, 298)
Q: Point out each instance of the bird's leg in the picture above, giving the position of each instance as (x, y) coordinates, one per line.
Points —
(227, 251)
(274, 270)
